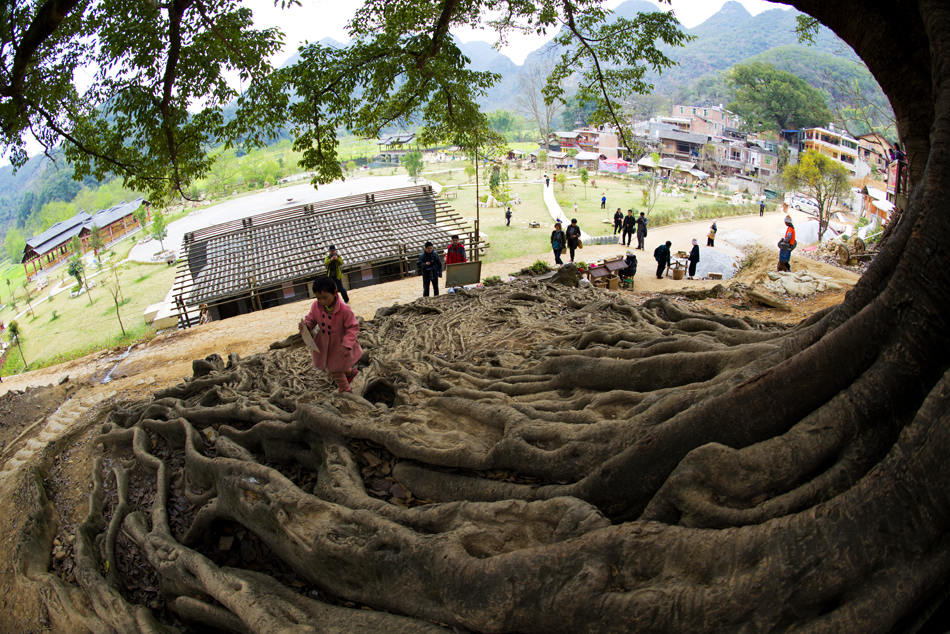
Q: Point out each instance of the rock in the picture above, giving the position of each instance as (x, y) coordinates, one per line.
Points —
(764, 297)
(799, 289)
(567, 275)
(774, 275)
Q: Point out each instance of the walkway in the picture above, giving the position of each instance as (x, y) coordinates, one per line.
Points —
(554, 209)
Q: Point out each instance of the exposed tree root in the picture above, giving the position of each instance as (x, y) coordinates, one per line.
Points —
(489, 479)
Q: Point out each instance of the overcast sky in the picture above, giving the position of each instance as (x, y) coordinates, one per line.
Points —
(317, 19)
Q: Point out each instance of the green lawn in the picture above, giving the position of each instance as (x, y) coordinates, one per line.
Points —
(65, 328)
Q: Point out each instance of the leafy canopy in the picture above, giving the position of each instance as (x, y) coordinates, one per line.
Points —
(154, 102)
(771, 99)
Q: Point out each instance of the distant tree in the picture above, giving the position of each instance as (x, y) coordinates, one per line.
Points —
(75, 245)
(28, 296)
(159, 231)
(652, 189)
(470, 170)
(116, 292)
(531, 100)
(14, 334)
(585, 178)
(562, 179)
(141, 216)
(95, 240)
(770, 99)
(502, 121)
(76, 269)
(12, 295)
(412, 161)
(542, 158)
(14, 243)
(820, 177)
(577, 112)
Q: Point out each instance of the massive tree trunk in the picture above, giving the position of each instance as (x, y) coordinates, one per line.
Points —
(541, 459)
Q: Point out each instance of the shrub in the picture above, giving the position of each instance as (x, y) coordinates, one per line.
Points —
(492, 280)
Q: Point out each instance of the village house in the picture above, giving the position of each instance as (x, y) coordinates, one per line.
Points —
(840, 146)
(706, 120)
(874, 150)
(53, 245)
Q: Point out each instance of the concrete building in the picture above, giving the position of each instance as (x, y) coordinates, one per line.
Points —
(836, 144)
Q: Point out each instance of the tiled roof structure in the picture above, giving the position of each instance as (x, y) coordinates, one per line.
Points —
(289, 245)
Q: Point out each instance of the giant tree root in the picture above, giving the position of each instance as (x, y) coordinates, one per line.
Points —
(526, 459)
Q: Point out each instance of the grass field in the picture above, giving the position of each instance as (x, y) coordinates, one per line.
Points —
(64, 328)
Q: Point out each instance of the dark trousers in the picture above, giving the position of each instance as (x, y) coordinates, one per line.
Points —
(572, 247)
(617, 228)
(640, 238)
(557, 256)
(710, 242)
(507, 221)
(692, 268)
(603, 204)
(427, 279)
(660, 269)
(626, 238)
(339, 287)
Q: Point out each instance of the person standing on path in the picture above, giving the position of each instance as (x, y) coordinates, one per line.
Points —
(629, 226)
(693, 258)
(761, 208)
(508, 216)
(663, 258)
(547, 181)
(711, 236)
(455, 254)
(603, 200)
(335, 346)
(558, 240)
(641, 230)
(786, 245)
(573, 237)
(431, 267)
(618, 221)
(575, 209)
(334, 265)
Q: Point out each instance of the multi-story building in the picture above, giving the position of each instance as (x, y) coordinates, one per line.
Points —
(708, 120)
(874, 150)
(838, 145)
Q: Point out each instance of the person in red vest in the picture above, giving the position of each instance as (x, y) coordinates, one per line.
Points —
(456, 252)
(786, 245)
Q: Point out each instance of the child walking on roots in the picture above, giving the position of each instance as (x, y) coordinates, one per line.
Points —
(335, 348)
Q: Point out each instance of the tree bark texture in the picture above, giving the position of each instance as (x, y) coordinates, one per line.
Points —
(534, 458)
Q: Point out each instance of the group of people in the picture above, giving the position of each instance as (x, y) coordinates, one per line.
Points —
(570, 239)
(664, 259)
(628, 225)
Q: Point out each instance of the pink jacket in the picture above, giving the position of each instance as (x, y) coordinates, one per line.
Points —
(339, 349)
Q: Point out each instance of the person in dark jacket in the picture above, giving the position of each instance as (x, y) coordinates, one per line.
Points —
(693, 258)
(431, 267)
(631, 262)
(618, 221)
(558, 241)
(629, 226)
(334, 265)
(663, 258)
(641, 230)
(508, 217)
(573, 236)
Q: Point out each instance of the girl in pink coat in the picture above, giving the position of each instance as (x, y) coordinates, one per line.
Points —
(337, 349)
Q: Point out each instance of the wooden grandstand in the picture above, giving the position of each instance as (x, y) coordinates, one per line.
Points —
(271, 258)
